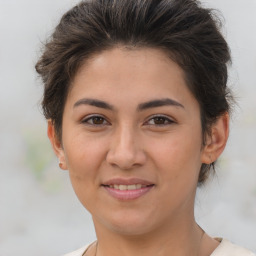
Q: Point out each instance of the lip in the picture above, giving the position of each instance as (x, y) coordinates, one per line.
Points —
(127, 195)
(130, 181)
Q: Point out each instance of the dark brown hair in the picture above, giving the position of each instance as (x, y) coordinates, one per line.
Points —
(186, 31)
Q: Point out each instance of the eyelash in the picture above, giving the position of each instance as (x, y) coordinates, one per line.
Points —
(156, 118)
(167, 120)
(90, 120)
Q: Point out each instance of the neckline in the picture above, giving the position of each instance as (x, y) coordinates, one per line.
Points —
(220, 240)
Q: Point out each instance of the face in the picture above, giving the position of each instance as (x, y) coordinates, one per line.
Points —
(132, 141)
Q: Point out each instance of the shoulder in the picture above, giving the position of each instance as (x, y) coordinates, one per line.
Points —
(226, 248)
(78, 252)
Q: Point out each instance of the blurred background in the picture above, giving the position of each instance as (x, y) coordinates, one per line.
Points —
(39, 213)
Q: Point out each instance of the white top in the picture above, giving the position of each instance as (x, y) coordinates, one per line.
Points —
(224, 249)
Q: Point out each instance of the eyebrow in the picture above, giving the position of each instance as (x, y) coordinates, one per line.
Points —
(159, 103)
(141, 107)
(93, 102)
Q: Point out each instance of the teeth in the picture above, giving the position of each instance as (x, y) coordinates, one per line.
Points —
(127, 187)
(123, 187)
(131, 187)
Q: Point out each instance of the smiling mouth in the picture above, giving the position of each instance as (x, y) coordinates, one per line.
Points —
(123, 187)
(128, 192)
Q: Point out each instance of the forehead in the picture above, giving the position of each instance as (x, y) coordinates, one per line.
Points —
(123, 62)
(127, 72)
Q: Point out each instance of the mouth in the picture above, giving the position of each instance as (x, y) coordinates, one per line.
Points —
(127, 189)
(123, 187)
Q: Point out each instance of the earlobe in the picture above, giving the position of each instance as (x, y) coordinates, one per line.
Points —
(56, 145)
(217, 140)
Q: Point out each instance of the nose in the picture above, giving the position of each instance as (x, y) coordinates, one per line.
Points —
(125, 150)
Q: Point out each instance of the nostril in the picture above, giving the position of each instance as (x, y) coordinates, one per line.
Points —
(122, 158)
(125, 151)
(125, 161)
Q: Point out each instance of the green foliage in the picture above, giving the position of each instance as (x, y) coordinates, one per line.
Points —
(38, 154)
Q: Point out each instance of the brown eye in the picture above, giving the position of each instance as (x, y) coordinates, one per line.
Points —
(159, 120)
(95, 120)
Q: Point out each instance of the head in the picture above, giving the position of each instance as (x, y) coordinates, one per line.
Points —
(187, 33)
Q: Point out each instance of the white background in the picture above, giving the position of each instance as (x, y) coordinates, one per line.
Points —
(39, 213)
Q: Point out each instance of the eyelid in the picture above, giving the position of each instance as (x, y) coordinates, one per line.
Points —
(91, 116)
(168, 118)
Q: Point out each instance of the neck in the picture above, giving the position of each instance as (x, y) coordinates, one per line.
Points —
(179, 239)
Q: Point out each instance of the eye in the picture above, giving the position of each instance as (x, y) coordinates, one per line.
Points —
(95, 120)
(159, 120)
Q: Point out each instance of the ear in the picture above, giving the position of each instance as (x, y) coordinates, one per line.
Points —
(216, 141)
(56, 145)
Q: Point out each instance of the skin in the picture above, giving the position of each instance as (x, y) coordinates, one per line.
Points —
(128, 138)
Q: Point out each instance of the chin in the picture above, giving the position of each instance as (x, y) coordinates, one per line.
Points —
(131, 229)
(132, 224)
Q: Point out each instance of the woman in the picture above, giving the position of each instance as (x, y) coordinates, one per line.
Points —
(138, 112)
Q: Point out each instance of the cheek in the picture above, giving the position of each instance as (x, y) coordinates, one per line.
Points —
(84, 155)
(178, 164)
(179, 155)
